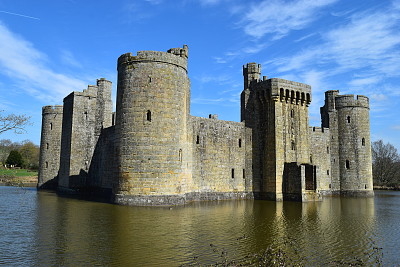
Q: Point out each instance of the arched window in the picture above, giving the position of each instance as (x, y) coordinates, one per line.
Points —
(348, 119)
(51, 126)
(347, 164)
(148, 115)
(47, 164)
(363, 141)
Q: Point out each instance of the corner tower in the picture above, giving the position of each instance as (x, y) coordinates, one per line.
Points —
(50, 145)
(355, 161)
(153, 99)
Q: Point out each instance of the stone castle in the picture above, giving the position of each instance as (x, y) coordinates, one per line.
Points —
(151, 151)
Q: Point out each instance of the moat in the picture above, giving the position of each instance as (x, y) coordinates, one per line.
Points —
(42, 229)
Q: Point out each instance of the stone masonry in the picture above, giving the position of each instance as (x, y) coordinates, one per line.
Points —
(153, 152)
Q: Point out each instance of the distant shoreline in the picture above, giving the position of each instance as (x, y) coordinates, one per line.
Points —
(23, 181)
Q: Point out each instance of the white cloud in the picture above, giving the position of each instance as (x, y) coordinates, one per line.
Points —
(396, 127)
(69, 59)
(26, 66)
(378, 97)
(368, 43)
(279, 17)
(154, 2)
(364, 81)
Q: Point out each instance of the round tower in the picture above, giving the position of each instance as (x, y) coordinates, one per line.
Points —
(50, 145)
(355, 160)
(151, 127)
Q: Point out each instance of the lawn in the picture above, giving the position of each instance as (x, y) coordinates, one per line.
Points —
(17, 172)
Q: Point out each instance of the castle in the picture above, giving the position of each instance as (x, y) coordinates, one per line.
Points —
(151, 151)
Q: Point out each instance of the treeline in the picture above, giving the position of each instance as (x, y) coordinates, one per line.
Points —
(385, 165)
(23, 154)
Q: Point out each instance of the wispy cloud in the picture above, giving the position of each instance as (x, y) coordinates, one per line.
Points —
(155, 2)
(69, 59)
(368, 44)
(279, 17)
(28, 68)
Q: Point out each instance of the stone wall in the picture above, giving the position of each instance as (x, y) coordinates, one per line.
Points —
(50, 145)
(219, 162)
(320, 157)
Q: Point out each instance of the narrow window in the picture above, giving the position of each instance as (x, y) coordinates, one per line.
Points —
(327, 149)
(180, 155)
(293, 146)
(327, 172)
(310, 159)
(47, 164)
(240, 142)
(51, 126)
(148, 115)
(330, 185)
(86, 115)
(292, 113)
(47, 145)
(363, 142)
(233, 173)
(365, 186)
(198, 140)
(348, 119)
(334, 160)
(347, 164)
(244, 173)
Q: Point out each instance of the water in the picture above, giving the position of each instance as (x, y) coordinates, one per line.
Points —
(42, 229)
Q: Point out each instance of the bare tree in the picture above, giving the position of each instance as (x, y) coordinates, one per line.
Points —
(385, 163)
(12, 122)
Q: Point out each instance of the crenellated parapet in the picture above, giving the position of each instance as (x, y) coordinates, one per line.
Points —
(57, 109)
(174, 56)
(345, 101)
(284, 90)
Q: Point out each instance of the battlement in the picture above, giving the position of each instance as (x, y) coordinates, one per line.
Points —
(250, 68)
(343, 101)
(57, 109)
(319, 130)
(102, 80)
(174, 56)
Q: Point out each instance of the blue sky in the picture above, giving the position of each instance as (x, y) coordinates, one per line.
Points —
(49, 48)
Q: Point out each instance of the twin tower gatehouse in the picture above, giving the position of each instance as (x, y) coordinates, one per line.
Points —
(151, 151)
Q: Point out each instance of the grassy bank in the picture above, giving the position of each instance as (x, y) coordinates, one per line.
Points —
(18, 177)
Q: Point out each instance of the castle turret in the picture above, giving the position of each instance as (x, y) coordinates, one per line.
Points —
(151, 127)
(50, 143)
(329, 120)
(355, 159)
(251, 74)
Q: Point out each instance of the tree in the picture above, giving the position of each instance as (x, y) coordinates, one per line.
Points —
(385, 164)
(30, 154)
(14, 158)
(6, 145)
(13, 122)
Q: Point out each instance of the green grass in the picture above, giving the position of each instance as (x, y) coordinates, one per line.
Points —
(18, 172)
